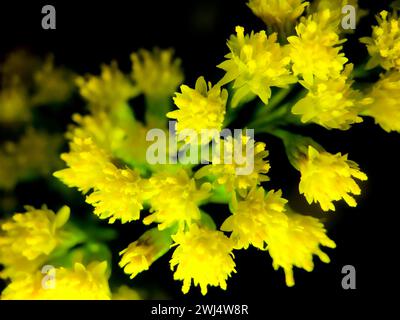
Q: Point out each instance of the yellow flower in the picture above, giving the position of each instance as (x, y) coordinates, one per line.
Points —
(326, 178)
(256, 63)
(253, 218)
(53, 85)
(126, 293)
(315, 50)
(294, 244)
(278, 12)
(86, 162)
(26, 239)
(156, 73)
(14, 105)
(385, 108)
(240, 165)
(175, 198)
(384, 44)
(199, 108)
(203, 255)
(117, 195)
(79, 283)
(139, 255)
(331, 103)
(107, 91)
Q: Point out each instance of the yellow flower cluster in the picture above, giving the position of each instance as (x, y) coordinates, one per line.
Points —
(256, 63)
(331, 103)
(203, 256)
(384, 44)
(315, 50)
(199, 108)
(26, 239)
(278, 12)
(156, 73)
(326, 178)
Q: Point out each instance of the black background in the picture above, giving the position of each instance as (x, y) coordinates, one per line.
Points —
(92, 33)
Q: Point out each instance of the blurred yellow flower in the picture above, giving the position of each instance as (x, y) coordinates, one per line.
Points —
(204, 256)
(256, 63)
(156, 73)
(326, 178)
(126, 293)
(15, 107)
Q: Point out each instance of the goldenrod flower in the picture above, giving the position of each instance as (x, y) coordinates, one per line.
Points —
(79, 283)
(157, 73)
(117, 195)
(385, 108)
(199, 108)
(86, 162)
(107, 91)
(278, 12)
(256, 63)
(253, 218)
(175, 198)
(384, 44)
(139, 255)
(26, 239)
(315, 51)
(326, 178)
(294, 244)
(240, 165)
(204, 256)
(14, 105)
(331, 103)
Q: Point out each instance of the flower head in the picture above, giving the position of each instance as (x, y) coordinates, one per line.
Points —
(199, 108)
(315, 51)
(278, 12)
(240, 165)
(157, 73)
(79, 283)
(385, 108)
(26, 239)
(294, 244)
(254, 217)
(256, 63)
(384, 44)
(326, 178)
(331, 103)
(204, 256)
(174, 197)
(107, 91)
(14, 105)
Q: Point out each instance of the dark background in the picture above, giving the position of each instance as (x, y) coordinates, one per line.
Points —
(92, 33)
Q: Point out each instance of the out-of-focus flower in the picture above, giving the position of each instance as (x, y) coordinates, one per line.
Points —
(157, 73)
(139, 255)
(237, 154)
(199, 108)
(254, 217)
(26, 239)
(384, 44)
(294, 244)
(174, 197)
(256, 63)
(326, 178)
(80, 283)
(126, 293)
(107, 91)
(278, 12)
(332, 103)
(204, 256)
(385, 108)
(14, 105)
(315, 51)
